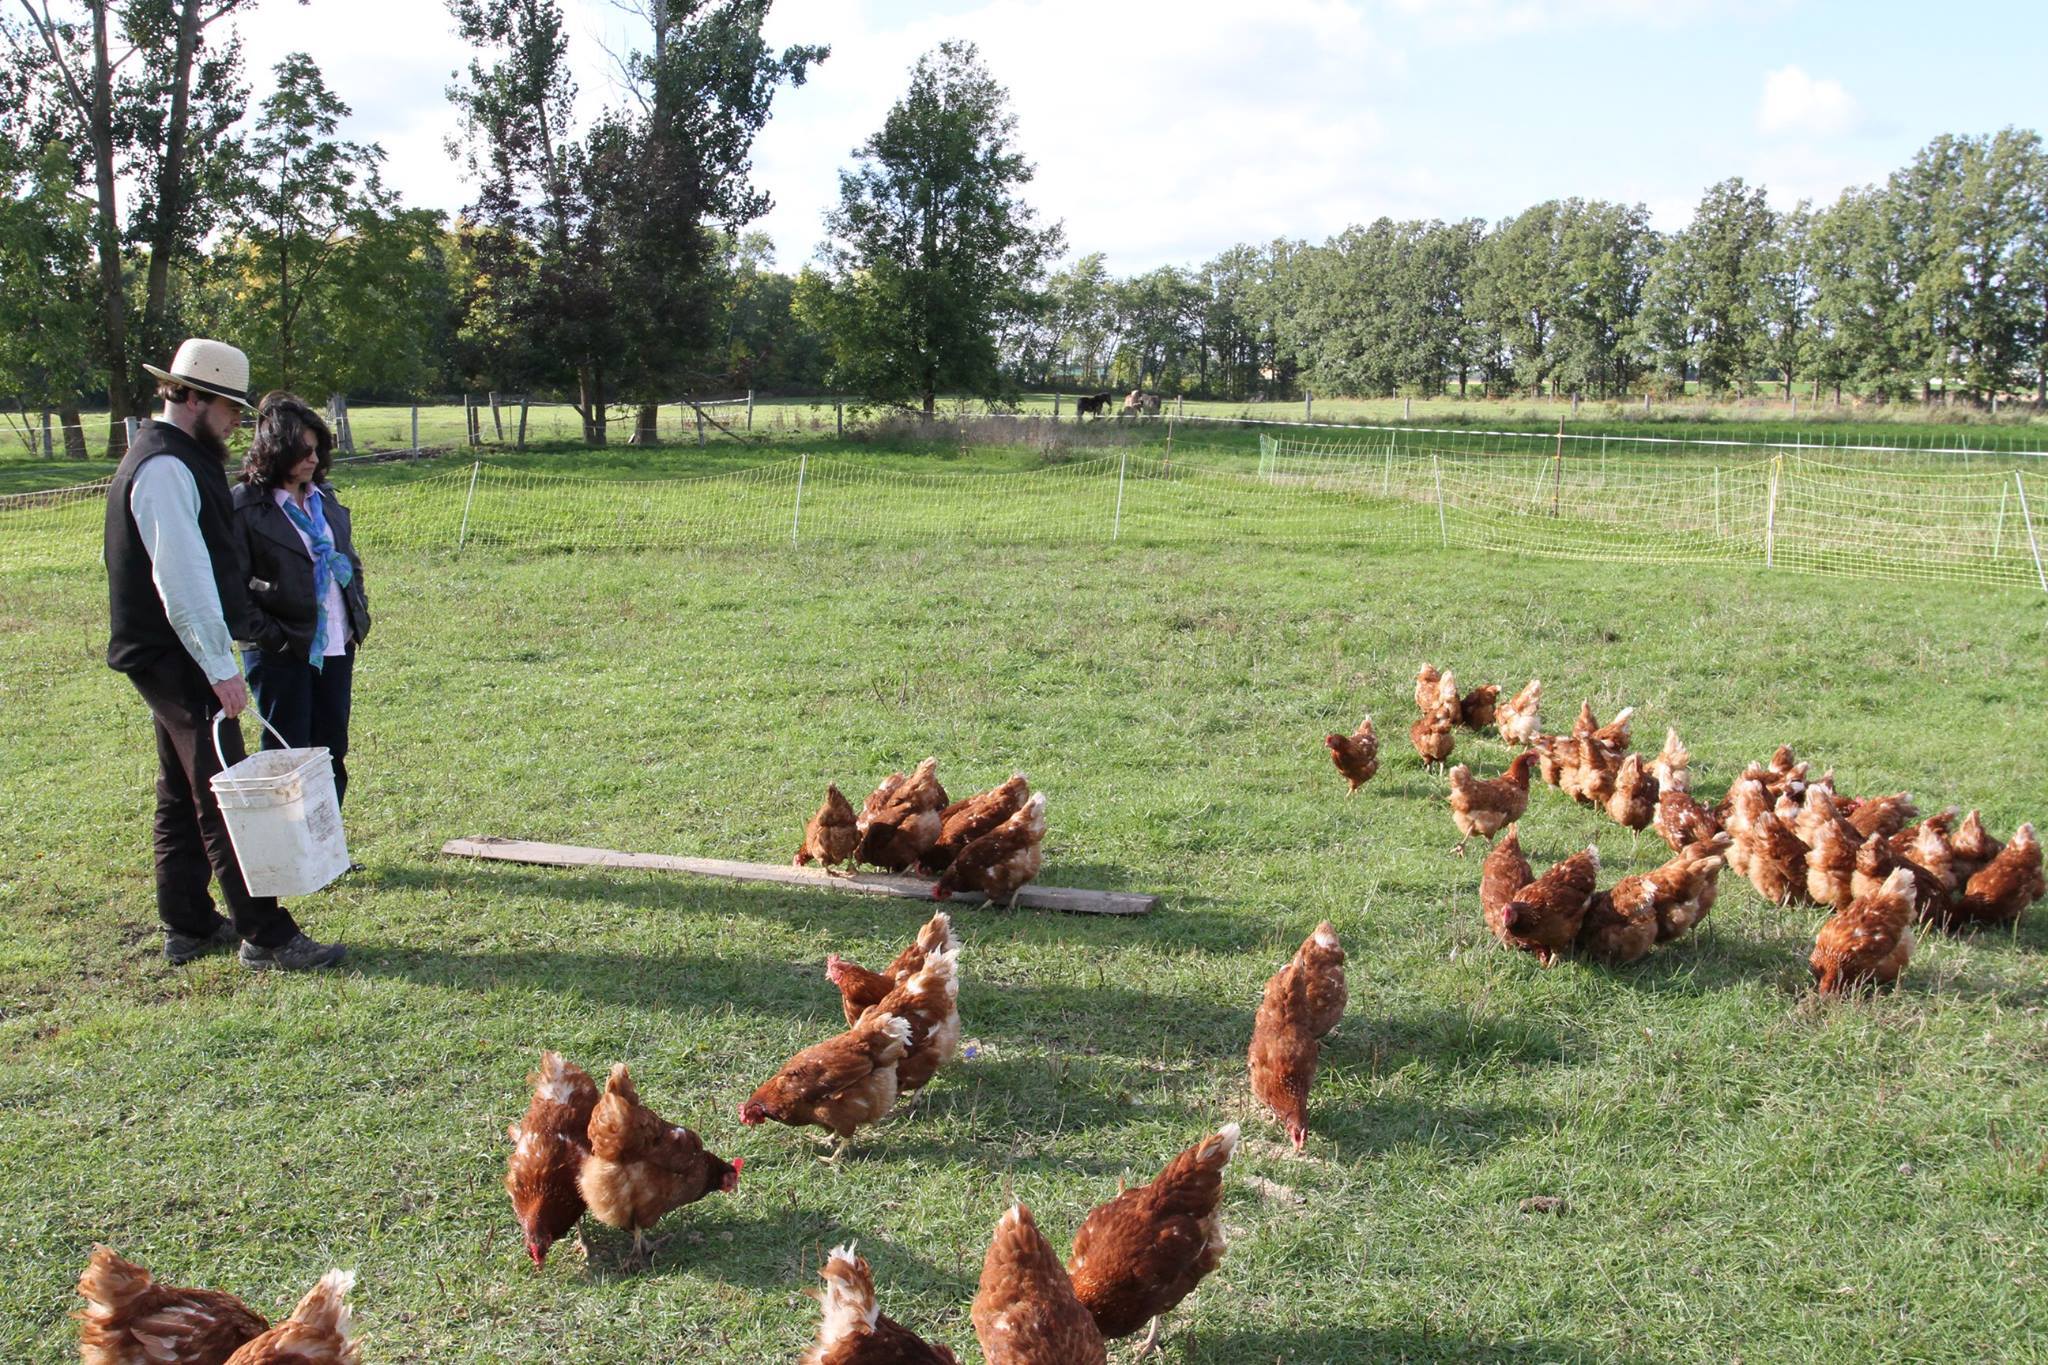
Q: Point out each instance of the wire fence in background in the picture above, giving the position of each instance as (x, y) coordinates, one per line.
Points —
(1775, 510)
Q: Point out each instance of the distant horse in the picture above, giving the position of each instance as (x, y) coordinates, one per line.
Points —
(1142, 404)
(1092, 405)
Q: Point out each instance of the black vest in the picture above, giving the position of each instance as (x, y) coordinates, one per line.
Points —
(142, 633)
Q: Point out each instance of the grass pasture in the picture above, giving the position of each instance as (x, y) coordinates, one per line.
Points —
(1745, 1172)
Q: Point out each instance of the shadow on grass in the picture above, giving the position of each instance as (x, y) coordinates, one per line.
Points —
(1451, 1132)
(733, 1240)
(1338, 1345)
(1388, 1043)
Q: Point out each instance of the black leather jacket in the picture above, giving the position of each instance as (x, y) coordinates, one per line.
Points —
(282, 608)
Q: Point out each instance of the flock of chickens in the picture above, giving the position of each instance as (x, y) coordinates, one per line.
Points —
(1795, 840)
(991, 842)
(606, 1153)
(580, 1150)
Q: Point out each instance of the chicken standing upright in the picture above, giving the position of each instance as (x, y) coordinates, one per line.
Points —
(929, 999)
(1673, 765)
(1025, 1312)
(1683, 818)
(1428, 688)
(1973, 847)
(1302, 1002)
(1633, 802)
(1868, 941)
(549, 1147)
(1831, 847)
(1505, 872)
(317, 1332)
(1482, 807)
(1544, 917)
(130, 1318)
(1519, 718)
(1357, 755)
(641, 1167)
(2001, 892)
(855, 1331)
(999, 863)
(901, 820)
(1140, 1254)
(961, 823)
(860, 989)
(841, 1084)
(832, 834)
(1431, 734)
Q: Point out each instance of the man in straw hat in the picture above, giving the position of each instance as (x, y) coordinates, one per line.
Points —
(177, 587)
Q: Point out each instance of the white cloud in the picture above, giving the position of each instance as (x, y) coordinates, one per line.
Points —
(1794, 102)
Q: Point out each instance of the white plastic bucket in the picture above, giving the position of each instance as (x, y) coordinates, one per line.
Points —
(282, 817)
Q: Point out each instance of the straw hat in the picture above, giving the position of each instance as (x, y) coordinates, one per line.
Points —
(210, 366)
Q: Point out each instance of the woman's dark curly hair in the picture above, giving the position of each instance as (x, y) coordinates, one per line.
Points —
(283, 421)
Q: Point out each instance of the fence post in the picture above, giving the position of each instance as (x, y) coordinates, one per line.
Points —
(1646, 400)
(803, 465)
(49, 444)
(2027, 517)
(1436, 464)
(415, 428)
(1308, 407)
(1116, 527)
(1055, 407)
(1771, 514)
(131, 429)
(497, 420)
(469, 419)
(700, 424)
(524, 400)
(839, 420)
(462, 536)
(750, 409)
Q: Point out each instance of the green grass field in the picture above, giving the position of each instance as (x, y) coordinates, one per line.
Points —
(1746, 1171)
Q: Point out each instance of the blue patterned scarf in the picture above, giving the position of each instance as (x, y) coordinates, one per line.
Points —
(329, 565)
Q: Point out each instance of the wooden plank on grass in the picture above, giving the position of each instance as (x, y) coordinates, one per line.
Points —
(1032, 897)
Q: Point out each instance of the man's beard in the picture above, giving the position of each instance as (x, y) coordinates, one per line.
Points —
(211, 442)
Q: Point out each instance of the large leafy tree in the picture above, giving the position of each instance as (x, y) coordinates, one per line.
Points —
(144, 93)
(46, 308)
(932, 251)
(593, 253)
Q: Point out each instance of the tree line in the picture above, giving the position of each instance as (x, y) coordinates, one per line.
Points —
(611, 264)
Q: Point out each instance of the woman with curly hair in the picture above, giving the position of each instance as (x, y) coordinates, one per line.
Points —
(308, 610)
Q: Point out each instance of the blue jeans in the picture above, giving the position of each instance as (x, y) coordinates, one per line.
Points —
(308, 706)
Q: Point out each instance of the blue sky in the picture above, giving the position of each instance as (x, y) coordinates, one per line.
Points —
(1165, 132)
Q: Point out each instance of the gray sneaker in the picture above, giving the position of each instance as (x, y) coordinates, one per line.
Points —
(302, 954)
(182, 948)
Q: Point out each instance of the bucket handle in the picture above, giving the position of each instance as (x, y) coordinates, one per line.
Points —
(222, 715)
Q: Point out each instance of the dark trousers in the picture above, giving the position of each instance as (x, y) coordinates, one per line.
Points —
(191, 839)
(308, 706)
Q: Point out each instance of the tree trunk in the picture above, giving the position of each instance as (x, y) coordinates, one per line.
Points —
(647, 425)
(73, 423)
(107, 240)
(170, 184)
(590, 389)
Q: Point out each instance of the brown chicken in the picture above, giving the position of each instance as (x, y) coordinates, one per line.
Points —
(315, 1334)
(1613, 736)
(930, 999)
(641, 1167)
(1972, 847)
(1591, 782)
(1025, 1312)
(840, 1084)
(131, 1319)
(1140, 1254)
(1478, 708)
(1483, 806)
(1518, 718)
(901, 820)
(1929, 852)
(1303, 1001)
(999, 863)
(1673, 765)
(1357, 755)
(1557, 758)
(1428, 688)
(1882, 816)
(961, 823)
(855, 1330)
(1832, 844)
(1772, 856)
(1903, 842)
(1869, 941)
(860, 989)
(1683, 819)
(1544, 917)
(1617, 932)
(1633, 802)
(2007, 885)
(1431, 734)
(1875, 865)
(832, 834)
(1505, 873)
(548, 1150)
(1680, 893)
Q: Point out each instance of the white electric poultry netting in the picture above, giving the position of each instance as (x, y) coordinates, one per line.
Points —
(1778, 510)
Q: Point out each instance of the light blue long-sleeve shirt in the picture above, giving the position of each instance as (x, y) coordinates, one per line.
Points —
(165, 502)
